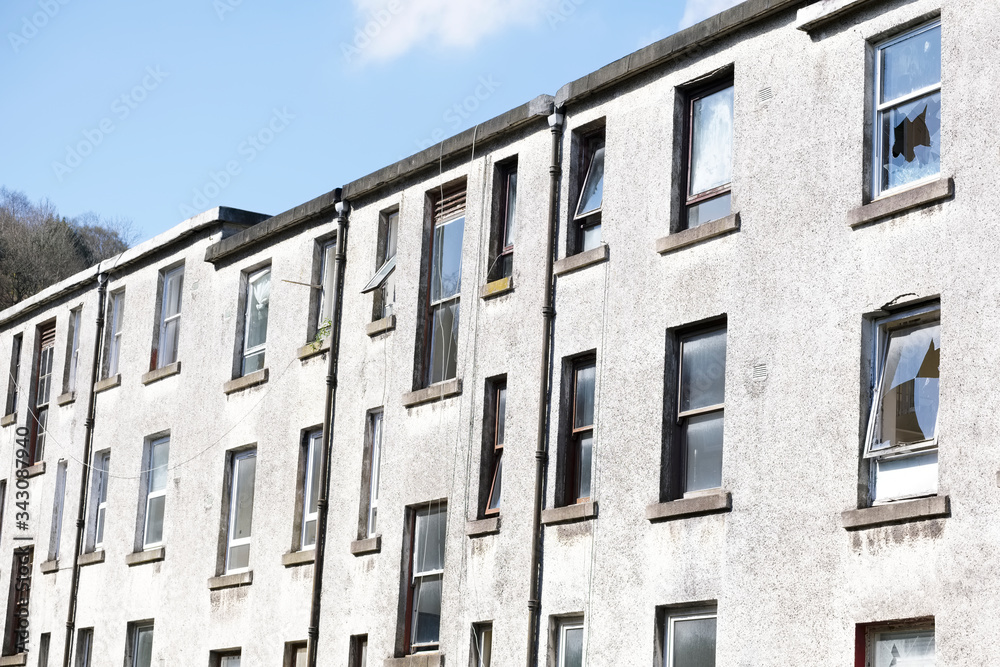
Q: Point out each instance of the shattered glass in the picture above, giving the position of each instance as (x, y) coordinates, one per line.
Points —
(911, 141)
(909, 393)
(905, 649)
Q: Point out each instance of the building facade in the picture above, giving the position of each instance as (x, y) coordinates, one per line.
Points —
(768, 295)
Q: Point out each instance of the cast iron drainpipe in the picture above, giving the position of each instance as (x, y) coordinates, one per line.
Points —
(102, 288)
(541, 454)
(333, 288)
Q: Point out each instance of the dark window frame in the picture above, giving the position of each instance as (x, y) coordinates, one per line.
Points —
(575, 434)
(494, 445)
(716, 83)
(865, 634)
(45, 335)
(410, 583)
(589, 140)
(381, 307)
(13, 389)
(502, 244)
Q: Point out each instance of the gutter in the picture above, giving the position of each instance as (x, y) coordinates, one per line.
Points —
(102, 289)
(334, 287)
(541, 453)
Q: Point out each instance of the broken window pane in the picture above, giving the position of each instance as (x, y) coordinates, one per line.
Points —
(911, 64)
(911, 141)
(592, 193)
(703, 371)
(905, 649)
(702, 436)
(446, 270)
(909, 389)
(711, 141)
(444, 342)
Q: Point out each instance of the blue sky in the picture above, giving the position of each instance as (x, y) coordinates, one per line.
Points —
(156, 111)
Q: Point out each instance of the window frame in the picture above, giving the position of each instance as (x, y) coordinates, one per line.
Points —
(674, 615)
(358, 651)
(872, 631)
(440, 219)
(479, 657)
(42, 393)
(260, 349)
(84, 647)
(415, 580)
(377, 426)
(884, 328)
(574, 452)
(879, 108)
(72, 349)
(115, 333)
(327, 251)
(385, 265)
(498, 389)
(13, 387)
(291, 652)
(562, 627)
(135, 632)
(684, 336)
(99, 500)
(153, 494)
(690, 98)
(313, 442)
(58, 511)
(234, 489)
(591, 140)
(170, 276)
(502, 265)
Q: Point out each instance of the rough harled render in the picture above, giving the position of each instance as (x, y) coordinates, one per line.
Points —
(792, 549)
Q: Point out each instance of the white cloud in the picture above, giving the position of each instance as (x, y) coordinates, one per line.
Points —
(388, 29)
(696, 11)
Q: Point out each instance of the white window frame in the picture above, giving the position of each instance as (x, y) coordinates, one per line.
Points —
(151, 494)
(99, 496)
(117, 315)
(687, 615)
(73, 347)
(261, 348)
(884, 328)
(138, 629)
(327, 249)
(313, 440)
(233, 495)
(417, 579)
(230, 660)
(480, 632)
(168, 277)
(881, 107)
(564, 627)
(375, 472)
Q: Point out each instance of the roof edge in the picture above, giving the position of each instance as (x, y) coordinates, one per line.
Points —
(223, 214)
(711, 29)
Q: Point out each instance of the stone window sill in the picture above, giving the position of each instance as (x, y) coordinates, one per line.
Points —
(66, 399)
(372, 545)
(108, 383)
(689, 237)
(230, 581)
(434, 659)
(581, 260)
(379, 327)
(920, 509)
(570, 513)
(488, 526)
(160, 373)
(891, 205)
(91, 558)
(497, 288)
(295, 558)
(36, 470)
(18, 660)
(142, 557)
(7, 420)
(818, 14)
(245, 382)
(313, 349)
(436, 392)
(49, 566)
(682, 508)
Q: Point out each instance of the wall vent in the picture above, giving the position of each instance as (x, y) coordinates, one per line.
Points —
(765, 95)
(759, 372)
